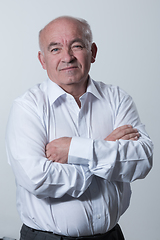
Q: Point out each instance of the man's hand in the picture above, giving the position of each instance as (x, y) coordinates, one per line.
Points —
(126, 132)
(57, 150)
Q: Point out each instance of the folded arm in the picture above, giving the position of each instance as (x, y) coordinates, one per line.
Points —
(26, 140)
(118, 157)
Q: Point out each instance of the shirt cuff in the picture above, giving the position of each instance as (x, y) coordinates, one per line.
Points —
(81, 151)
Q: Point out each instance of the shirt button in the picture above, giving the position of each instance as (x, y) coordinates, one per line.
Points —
(98, 216)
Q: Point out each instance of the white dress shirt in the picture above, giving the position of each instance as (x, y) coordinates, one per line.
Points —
(89, 194)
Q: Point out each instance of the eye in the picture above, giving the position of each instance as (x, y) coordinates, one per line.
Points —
(77, 47)
(55, 50)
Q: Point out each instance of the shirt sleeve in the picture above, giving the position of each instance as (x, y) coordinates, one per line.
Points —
(121, 160)
(26, 139)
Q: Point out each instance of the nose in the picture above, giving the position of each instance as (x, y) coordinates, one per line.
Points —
(67, 56)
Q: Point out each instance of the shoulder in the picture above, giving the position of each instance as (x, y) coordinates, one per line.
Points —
(33, 101)
(109, 91)
(33, 96)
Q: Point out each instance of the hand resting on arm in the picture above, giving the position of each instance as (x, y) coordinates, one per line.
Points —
(57, 150)
(126, 132)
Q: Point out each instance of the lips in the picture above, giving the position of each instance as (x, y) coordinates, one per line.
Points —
(68, 68)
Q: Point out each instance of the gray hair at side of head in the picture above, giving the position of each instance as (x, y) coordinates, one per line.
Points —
(86, 29)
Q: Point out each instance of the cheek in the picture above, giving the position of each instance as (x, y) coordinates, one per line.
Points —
(85, 61)
(87, 64)
(51, 64)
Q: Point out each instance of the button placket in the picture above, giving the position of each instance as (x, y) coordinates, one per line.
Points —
(97, 219)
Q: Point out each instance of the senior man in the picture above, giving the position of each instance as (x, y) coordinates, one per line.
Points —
(74, 144)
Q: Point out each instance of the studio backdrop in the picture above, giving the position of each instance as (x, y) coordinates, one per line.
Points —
(127, 34)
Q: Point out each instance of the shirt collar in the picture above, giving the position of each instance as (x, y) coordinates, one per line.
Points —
(54, 91)
(93, 89)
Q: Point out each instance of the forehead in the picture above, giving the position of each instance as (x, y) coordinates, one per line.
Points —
(62, 31)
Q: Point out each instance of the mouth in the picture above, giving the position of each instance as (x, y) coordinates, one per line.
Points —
(68, 68)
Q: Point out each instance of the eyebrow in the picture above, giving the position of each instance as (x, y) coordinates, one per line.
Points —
(52, 44)
(78, 40)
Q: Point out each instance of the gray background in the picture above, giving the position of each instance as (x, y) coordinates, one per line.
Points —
(127, 35)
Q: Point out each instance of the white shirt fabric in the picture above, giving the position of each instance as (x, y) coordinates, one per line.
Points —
(89, 194)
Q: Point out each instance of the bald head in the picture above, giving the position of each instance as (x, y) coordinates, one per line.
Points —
(67, 52)
(82, 24)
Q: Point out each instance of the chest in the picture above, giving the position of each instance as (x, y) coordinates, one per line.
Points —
(95, 119)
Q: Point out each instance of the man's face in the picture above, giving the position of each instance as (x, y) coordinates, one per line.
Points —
(66, 55)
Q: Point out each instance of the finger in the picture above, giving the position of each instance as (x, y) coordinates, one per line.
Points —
(129, 132)
(123, 132)
(48, 154)
(131, 136)
(51, 159)
(134, 139)
(46, 147)
(121, 128)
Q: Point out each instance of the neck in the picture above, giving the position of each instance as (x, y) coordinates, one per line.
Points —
(78, 101)
(76, 90)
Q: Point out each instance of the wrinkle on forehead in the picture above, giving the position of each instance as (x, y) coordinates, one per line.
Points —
(60, 24)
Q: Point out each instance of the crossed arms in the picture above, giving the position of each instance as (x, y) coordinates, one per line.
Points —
(40, 172)
(58, 149)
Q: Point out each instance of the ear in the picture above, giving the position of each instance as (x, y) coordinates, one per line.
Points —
(94, 52)
(42, 59)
